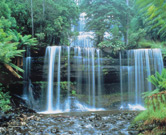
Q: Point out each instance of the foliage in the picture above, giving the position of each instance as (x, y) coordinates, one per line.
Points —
(73, 93)
(23, 41)
(8, 49)
(64, 88)
(4, 100)
(113, 44)
(105, 71)
(52, 19)
(154, 12)
(11, 41)
(159, 81)
(155, 102)
(135, 37)
(150, 117)
(106, 19)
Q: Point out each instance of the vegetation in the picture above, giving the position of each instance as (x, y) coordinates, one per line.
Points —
(153, 10)
(138, 24)
(154, 118)
(11, 42)
(117, 25)
(108, 23)
(4, 100)
(21, 21)
(16, 26)
(52, 20)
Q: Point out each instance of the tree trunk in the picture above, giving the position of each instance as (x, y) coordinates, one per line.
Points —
(12, 71)
(32, 18)
(127, 23)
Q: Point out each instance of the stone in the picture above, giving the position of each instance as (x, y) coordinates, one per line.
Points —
(23, 123)
(2, 130)
(70, 132)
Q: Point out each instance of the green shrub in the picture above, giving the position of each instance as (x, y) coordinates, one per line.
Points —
(159, 81)
(149, 114)
(155, 102)
(73, 93)
(4, 100)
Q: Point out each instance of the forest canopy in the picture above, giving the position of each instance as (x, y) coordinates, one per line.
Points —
(22, 20)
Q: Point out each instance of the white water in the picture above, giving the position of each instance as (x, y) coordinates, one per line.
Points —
(68, 80)
(27, 81)
(135, 67)
(84, 39)
(86, 68)
(51, 53)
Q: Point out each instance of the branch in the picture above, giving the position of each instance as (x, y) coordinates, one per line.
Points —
(12, 70)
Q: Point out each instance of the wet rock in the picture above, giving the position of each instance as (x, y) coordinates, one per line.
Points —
(2, 130)
(133, 132)
(91, 119)
(57, 130)
(98, 117)
(121, 125)
(23, 123)
(114, 129)
(92, 123)
(71, 123)
(53, 131)
(70, 132)
(113, 121)
(37, 118)
(97, 125)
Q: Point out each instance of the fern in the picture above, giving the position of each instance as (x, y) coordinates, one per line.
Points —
(159, 80)
(4, 100)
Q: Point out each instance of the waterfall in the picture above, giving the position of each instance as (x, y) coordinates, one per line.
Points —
(84, 39)
(72, 76)
(79, 64)
(68, 80)
(28, 95)
(50, 77)
(87, 70)
(54, 64)
(26, 76)
(135, 67)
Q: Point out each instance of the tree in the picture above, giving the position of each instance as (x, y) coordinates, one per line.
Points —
(51, 19)
(11, 42)
(154, 12)
(110, 17)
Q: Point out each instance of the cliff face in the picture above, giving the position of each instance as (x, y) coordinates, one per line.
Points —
(110, 70)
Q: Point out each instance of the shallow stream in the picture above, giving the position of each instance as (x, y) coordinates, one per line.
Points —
(79, 123)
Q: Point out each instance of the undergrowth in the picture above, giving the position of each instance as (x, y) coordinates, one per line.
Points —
(4, 100)
(152, 121)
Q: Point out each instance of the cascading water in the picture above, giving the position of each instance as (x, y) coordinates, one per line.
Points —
(73, 76)
(135, 67)
(84, 38)
(53, 62)
(27, 82)
(84, 63)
